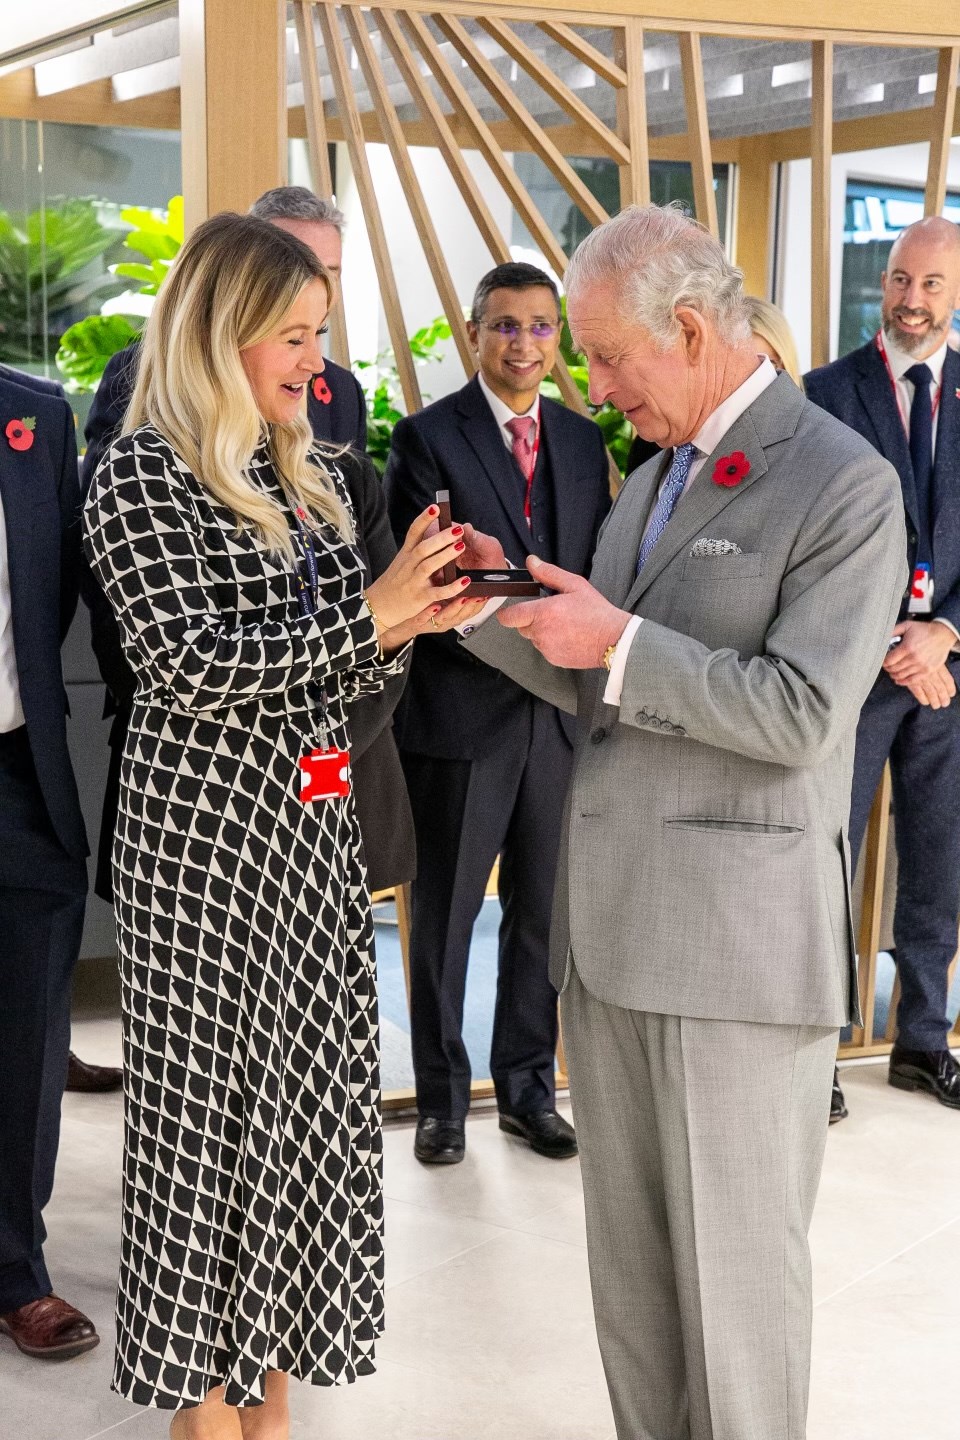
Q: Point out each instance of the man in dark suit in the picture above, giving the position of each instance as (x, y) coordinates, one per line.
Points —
(337, 412)
(902, 392)
(81, 1075)
(43, 878)
(487, 765)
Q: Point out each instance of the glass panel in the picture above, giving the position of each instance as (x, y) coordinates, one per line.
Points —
(62, 189)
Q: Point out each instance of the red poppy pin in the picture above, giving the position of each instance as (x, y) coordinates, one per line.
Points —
(322, 391)
(731, 469)
(19, 433)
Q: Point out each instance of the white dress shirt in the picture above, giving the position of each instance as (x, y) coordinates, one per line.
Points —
(707, 439)
(11, 711)
(900, 362)
(503, 414)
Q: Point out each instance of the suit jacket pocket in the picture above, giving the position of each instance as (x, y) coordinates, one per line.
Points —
(734, 827)
(723, 567)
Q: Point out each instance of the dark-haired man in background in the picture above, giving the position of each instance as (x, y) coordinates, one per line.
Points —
(487, 764)
(902, 392)
(336, 409)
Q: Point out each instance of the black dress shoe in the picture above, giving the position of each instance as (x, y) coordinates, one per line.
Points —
(545, 1131)
(92, 1079)
(439, 1142)
(933, 1070)
(838, 1108)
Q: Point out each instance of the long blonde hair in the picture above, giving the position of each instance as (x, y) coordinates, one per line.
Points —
(770, 323)
(230, 287)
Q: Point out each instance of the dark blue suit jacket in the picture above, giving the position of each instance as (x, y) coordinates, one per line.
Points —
(455, 707)
(857, 390)
(41, 506)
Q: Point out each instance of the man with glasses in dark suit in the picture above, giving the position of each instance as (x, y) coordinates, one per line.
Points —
(902, 392)
(487, 765)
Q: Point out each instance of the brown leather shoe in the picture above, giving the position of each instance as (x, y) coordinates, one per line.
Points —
(92, 1079)
(49, 1329)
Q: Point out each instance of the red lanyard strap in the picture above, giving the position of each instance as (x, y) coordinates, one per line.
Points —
(878, 341)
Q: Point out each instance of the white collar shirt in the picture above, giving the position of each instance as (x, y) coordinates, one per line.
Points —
(503, 414)
(11, 710)
(900, 362)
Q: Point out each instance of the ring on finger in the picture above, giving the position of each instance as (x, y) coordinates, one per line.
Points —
(433, 622)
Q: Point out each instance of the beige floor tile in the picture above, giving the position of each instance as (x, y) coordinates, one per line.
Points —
(519, 1304)
(420, 1239)
(886, 1350)
(565, 1222)
(500, 1181)
(403, 1404)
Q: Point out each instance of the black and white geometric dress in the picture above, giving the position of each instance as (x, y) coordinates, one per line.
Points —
(252, 1199)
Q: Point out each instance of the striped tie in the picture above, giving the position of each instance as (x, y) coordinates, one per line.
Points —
(667, 500)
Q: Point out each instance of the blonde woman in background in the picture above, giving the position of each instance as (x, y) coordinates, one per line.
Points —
(771, 330)
(221, 534)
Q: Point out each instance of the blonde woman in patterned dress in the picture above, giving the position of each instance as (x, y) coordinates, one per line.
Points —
(221, 534)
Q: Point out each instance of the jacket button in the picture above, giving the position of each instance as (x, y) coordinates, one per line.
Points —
(598, 735)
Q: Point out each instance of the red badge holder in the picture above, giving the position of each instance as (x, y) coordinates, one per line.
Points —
(326, 775)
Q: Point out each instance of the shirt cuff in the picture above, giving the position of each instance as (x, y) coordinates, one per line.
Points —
(942, 620)
(491, 608)
(618, 664)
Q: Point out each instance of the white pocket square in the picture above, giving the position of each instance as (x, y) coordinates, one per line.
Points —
(716, 547)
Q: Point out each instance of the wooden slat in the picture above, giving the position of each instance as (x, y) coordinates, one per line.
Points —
(609, 144)
(410, 184)
(632, 115)
(753, 224)
(317, 142)
(540, 142)
(944, 107)
(444, 138)
(469, 114)
(485, 141)
(701, 159)
(346, 103)
(587, 54)
(821, 151)
(871, 909)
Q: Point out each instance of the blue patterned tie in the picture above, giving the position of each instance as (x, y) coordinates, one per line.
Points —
(667, 500)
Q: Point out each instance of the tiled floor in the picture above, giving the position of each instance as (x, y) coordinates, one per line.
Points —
(490, 1332)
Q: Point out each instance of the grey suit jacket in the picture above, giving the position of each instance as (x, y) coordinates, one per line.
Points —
(706, 869)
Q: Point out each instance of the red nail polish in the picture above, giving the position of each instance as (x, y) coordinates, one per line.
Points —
(456, 529)
(461, 546)
(466, 580)
(432, 510)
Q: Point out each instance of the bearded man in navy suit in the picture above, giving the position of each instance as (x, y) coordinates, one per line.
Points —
(487, 764)
(902, 392)
(43, 847)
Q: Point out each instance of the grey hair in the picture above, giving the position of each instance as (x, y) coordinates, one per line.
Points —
(296, 202)
(659, 258)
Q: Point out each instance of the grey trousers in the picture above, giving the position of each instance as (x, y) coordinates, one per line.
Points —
(701, 1145)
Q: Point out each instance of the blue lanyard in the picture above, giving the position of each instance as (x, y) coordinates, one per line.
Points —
(308, 579)
(308, 598)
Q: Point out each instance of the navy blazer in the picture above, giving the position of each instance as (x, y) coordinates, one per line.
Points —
(455, 707)
(32, 382)
(41, 506)
(857, 390)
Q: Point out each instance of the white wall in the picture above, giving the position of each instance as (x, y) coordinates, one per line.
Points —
(902, 164)
(460, 242)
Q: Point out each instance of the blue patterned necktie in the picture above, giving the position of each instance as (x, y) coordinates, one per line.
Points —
(667, 501)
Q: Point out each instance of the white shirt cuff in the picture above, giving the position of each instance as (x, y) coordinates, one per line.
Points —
(491, 608)
(618, 664)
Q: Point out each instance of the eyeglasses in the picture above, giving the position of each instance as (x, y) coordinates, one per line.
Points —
(509, 330)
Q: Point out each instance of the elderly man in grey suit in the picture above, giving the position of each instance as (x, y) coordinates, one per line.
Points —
(740, 603)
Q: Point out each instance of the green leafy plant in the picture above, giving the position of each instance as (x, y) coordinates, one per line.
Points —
(49, 272)
(87, 346)
(384, 398)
